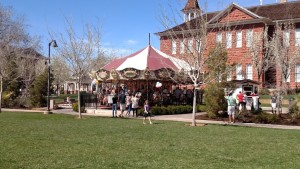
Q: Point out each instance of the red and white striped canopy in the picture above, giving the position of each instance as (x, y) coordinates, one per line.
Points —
(147, 57)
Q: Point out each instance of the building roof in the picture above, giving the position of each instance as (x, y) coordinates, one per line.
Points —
(190, 5)
(273, 12)
(148, 57)
(278, 11)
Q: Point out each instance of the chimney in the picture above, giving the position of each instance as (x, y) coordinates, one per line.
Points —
(283, 1)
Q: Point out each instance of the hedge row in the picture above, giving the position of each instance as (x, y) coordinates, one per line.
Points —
(169, 110)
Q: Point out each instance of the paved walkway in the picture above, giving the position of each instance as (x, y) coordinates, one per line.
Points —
(179, 117)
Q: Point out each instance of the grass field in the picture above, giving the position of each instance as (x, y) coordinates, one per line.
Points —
(33, 140)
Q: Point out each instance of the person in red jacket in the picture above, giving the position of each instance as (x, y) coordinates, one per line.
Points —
(241, 104)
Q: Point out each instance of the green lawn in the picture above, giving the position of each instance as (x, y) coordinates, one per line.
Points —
(33, 140)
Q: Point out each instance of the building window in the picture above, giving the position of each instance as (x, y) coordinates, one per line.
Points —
(173, 47)
(229, 76)
(289, 76)
(219, 37)
(198, 45)
(228, 40)
(239, 39)
(297, 73)
(297, 37)
(249, 72)
(239, 72)
(190, 45)
(249, 37)
(182, 46)
(286, 37)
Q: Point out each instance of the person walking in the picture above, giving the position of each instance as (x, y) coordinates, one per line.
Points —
(135, 105)
(273, 102)
(240, 98)
(230, 107)
(114, 105)
(147, 112)
(128, 104)
(122, 100)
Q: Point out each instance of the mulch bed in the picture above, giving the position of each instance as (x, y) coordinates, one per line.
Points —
(283, 119)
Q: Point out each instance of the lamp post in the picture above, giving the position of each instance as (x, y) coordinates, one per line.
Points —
(54, 44)
(147, 76)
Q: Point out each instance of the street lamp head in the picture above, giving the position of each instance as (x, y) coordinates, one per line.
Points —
(54, 44)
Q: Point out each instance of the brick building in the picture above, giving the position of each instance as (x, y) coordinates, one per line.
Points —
(234, 28)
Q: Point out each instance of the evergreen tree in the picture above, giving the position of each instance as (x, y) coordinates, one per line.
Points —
(38, 90)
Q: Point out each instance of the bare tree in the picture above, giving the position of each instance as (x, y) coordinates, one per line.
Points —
(261, 52)
(31, 65)
(61, 72)
(286, 55)
(79, 51)
(13, 39)
(194, 47)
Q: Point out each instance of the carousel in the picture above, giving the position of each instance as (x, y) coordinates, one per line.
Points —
(145, 71)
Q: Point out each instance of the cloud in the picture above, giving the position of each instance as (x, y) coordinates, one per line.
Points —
(116, 52)
(130, 42)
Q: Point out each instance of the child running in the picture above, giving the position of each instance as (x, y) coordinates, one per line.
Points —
(147, 112)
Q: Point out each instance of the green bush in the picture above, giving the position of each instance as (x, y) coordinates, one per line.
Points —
(294, 111)
(264, 91)
(267, 118)
(75, 107)
(201, 108)
(169, 110)
(214, 99)
(263, 118)
(38, 90)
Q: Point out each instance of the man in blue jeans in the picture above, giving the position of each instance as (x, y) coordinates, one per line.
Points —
(114, 105)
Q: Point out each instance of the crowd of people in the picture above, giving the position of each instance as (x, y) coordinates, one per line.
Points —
(177, 96)
(240, 103)
(129, 102)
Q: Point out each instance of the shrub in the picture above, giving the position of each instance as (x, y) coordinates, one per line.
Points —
(38, 90)
(214, 99)
(201, 108)
(263, 118)
(294, 111)
(75, 107)
(267, 118)
(161, 110)
(264, 91)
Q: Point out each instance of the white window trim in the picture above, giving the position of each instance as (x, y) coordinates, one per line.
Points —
(173, 47)
(239, 39)
(219, 37)
(289, 76)
(249, 37)
(239, 72)
(198, 45)
(190, 45)
(297, 37)
(229, 78)
(286, 35)
(181, 46)
(297, 73)
(228, 40)
(249, 72)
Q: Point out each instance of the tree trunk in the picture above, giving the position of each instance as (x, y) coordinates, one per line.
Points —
(1, 90)
(194, 108)
(79, 106)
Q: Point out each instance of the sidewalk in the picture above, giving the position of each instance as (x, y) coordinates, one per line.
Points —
(178, 117)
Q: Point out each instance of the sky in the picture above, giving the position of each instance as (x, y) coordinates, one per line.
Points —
(125, 23)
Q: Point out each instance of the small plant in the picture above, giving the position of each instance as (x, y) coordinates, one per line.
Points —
(294, 111)
(263, 117)
(75, 107)
(264, 91)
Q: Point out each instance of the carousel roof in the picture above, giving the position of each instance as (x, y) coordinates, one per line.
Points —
(147, 57)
